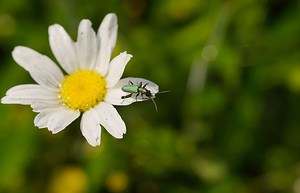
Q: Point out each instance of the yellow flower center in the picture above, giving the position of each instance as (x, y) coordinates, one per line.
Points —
(83, 90)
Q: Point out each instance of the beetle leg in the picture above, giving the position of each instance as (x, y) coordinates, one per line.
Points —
(145, 85)
(126, 96)
(136, 96)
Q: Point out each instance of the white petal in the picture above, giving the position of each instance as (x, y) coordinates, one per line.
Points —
(116, 69)
(28, 94)
(114, 94)
(86, 45)
(41, 68)
(41, 105)
(9, 100)
(90, 127)
(110, 119)
(61, 120)
(107, 36)
(42, 118)
(56, 119)
(63, 48)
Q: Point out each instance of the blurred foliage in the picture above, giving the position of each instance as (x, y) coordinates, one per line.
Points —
(230, 123)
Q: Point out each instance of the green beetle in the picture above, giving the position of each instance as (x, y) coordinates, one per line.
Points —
(139, 89)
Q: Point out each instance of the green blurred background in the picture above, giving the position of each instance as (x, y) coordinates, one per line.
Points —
(230, 124)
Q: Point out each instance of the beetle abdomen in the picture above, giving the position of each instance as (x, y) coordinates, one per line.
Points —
(130, 88)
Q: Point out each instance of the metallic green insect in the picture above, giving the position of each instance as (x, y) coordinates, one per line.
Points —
(139, 89)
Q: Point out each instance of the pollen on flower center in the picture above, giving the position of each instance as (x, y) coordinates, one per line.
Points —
(83, 90)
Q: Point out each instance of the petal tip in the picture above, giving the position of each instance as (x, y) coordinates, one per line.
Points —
(4, 100)
(94, 143)
(111, 15)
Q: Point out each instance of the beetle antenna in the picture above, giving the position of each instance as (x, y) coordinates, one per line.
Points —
(154, 103)
(165, 91)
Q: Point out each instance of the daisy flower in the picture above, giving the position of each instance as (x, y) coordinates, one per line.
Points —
(89, 88)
